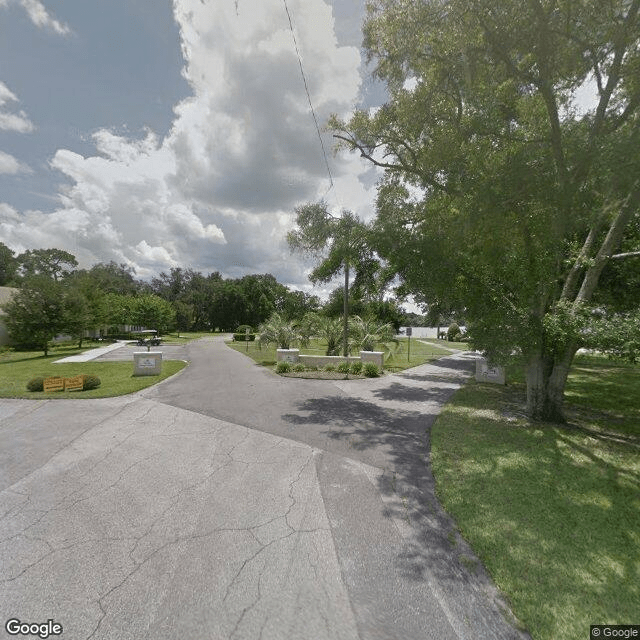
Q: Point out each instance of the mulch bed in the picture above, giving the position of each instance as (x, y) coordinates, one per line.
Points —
(322, 375)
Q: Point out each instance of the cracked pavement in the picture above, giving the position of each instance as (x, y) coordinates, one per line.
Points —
(230, 503)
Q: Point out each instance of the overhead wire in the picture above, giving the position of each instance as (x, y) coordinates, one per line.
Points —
(306, 88)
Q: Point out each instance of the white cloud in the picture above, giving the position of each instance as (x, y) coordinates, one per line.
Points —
(39, 15)
(9, 165)
(219, 191)
(6, 95)
(12, 121)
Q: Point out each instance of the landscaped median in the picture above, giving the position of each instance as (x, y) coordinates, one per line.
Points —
(17, 368)
(552, 510)
(398, 360)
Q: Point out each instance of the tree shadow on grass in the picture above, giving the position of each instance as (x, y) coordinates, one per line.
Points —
(550, 510)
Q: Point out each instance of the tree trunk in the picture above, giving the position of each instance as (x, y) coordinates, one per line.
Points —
(546, 380)
(346, 309)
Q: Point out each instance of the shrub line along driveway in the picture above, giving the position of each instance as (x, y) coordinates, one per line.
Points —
(228, 502)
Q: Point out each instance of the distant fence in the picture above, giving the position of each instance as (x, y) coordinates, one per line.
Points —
(426, 332)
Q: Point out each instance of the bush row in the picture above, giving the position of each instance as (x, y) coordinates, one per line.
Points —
(370, 369)
(242, 337)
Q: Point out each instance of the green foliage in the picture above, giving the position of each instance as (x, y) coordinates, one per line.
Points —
(35, 314)
(184, 314)
(244, 337)
(299, 367)
(282, 332)
(617, 335)
(297, 304)
(36, 384)
(561, 500)
(366, 334)
(343, 367)
(371, 370)
(49, 263)
(243, 328)
(453, 332)
(8, 265)
(283, 367)
(328, 329)
(356, 368)
(153, 312)
(334, 307)
(329, 367)
(500, 197)
(113, 278)
(90, 382)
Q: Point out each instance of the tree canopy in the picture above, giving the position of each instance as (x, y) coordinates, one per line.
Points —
(502, 194)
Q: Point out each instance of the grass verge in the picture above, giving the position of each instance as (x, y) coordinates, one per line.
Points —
(552, 510)
(18, 367)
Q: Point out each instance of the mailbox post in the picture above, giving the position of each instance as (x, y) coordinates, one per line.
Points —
(409, 344)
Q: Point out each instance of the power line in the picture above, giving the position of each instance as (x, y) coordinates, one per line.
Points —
(306, 88)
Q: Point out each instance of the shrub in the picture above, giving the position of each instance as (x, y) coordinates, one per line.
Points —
(371, 370)
(329, 367)
(356, 368)
(243, 328)
(36, 384)
(452, 331)
(90, 382)
(283, 367)
(242, 337)
(298, 368)
(343, 367)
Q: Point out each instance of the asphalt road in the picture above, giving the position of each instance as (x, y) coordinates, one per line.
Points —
(228, 502)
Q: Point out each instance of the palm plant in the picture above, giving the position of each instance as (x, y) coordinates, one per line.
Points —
(281, 332)
(367, 333)
(329, 330)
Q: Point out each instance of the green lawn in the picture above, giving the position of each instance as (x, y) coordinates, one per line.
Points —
(552, 510)
(420, 353)
(462, 346)
(18, 367)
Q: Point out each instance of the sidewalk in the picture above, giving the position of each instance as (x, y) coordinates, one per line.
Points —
(91, 354)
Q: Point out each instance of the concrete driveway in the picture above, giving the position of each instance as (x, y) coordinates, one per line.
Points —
(228, 502)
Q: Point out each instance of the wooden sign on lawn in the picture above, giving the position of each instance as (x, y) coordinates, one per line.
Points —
(53, 384)
(73, 384)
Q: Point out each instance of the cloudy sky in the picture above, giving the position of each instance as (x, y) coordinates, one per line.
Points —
(163, 133)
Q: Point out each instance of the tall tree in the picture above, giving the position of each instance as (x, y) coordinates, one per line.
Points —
(52, 263)
(337, 242)
(114, 278)
(499, 189)
(35, 314)
(8, 265)
(152, 312)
